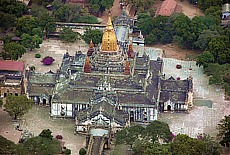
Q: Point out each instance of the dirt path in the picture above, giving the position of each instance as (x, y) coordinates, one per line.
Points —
(173, 51)
(115, 11)
(189, 9)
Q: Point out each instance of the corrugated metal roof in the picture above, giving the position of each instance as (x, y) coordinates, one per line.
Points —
(11, 65)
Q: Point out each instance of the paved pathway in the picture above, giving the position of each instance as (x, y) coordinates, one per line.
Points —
(54, 48)
(200, 119)
(39, 119)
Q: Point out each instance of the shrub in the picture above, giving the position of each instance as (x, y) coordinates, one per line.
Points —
(82, 151)
(67, 152)
(59, 137)
(32, 68)
(37, 55)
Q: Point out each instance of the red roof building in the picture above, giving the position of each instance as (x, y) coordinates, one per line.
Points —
(168, 7)
(8, 65)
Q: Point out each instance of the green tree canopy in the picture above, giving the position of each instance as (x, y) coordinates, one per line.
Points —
(183, 144)
(37, 11)
(67, 13)
(46, 134)
(82, 151)
(42, 146)
(213, 147)
(13, 7)
(31, 42)
(204, 39)
(215, 13)
(224, 131)
(1, 103)
(7, 20)
(13, 51)
(204, 4)
(140, 5)
(204, 59)
(158, 130)
(161, 31)
(26, 24)
(101, 5)
(144, 21)
(220, 48)
(17, 106)
(95, 35)
(7, 146)
(157, 149)
(68, 35)
(43, 3)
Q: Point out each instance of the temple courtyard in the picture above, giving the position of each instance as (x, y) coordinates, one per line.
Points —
(209, 102)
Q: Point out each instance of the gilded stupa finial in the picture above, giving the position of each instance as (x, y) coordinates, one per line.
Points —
(109, 23)
(91, 45)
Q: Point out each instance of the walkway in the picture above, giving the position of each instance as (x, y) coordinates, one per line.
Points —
(200, 119)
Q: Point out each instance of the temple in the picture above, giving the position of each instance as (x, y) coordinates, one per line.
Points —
(111, 85)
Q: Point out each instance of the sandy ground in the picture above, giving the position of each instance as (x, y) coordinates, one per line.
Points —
(37, 120)
(115, 11)
(173, 51)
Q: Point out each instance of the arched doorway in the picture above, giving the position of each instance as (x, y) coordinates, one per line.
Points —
(169, 108)
(131, 116)
(44, 101)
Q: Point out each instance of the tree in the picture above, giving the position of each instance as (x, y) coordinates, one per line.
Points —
(38, 32)
(68, 35)
(12, 7)
(120, 139)
(57, 4)
(157, 149)
(26, 24)
(140, 5)
(157, 130)
(37, 11)
(1, 103)
(213, 147)
(204, 4)
(204, 38)
(13, 51)
(161, 31)
(219, 47)
(144, 22)
(17, 106)
(43, 146)
(47, 23)
(95, 35)
(46, 134)
(133, 133)
(90, 19)
(204, 59)
(182, 28)
(224, 131)
(100, 5)
(7, 20)
(82, 151)
(183, 144)
(43, 3)
(31, 42)
(8, 147)
(215, 13)
(67, 13)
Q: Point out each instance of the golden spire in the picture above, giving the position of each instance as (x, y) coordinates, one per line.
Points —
(109, 24)
(109, 39)
(91, 45)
